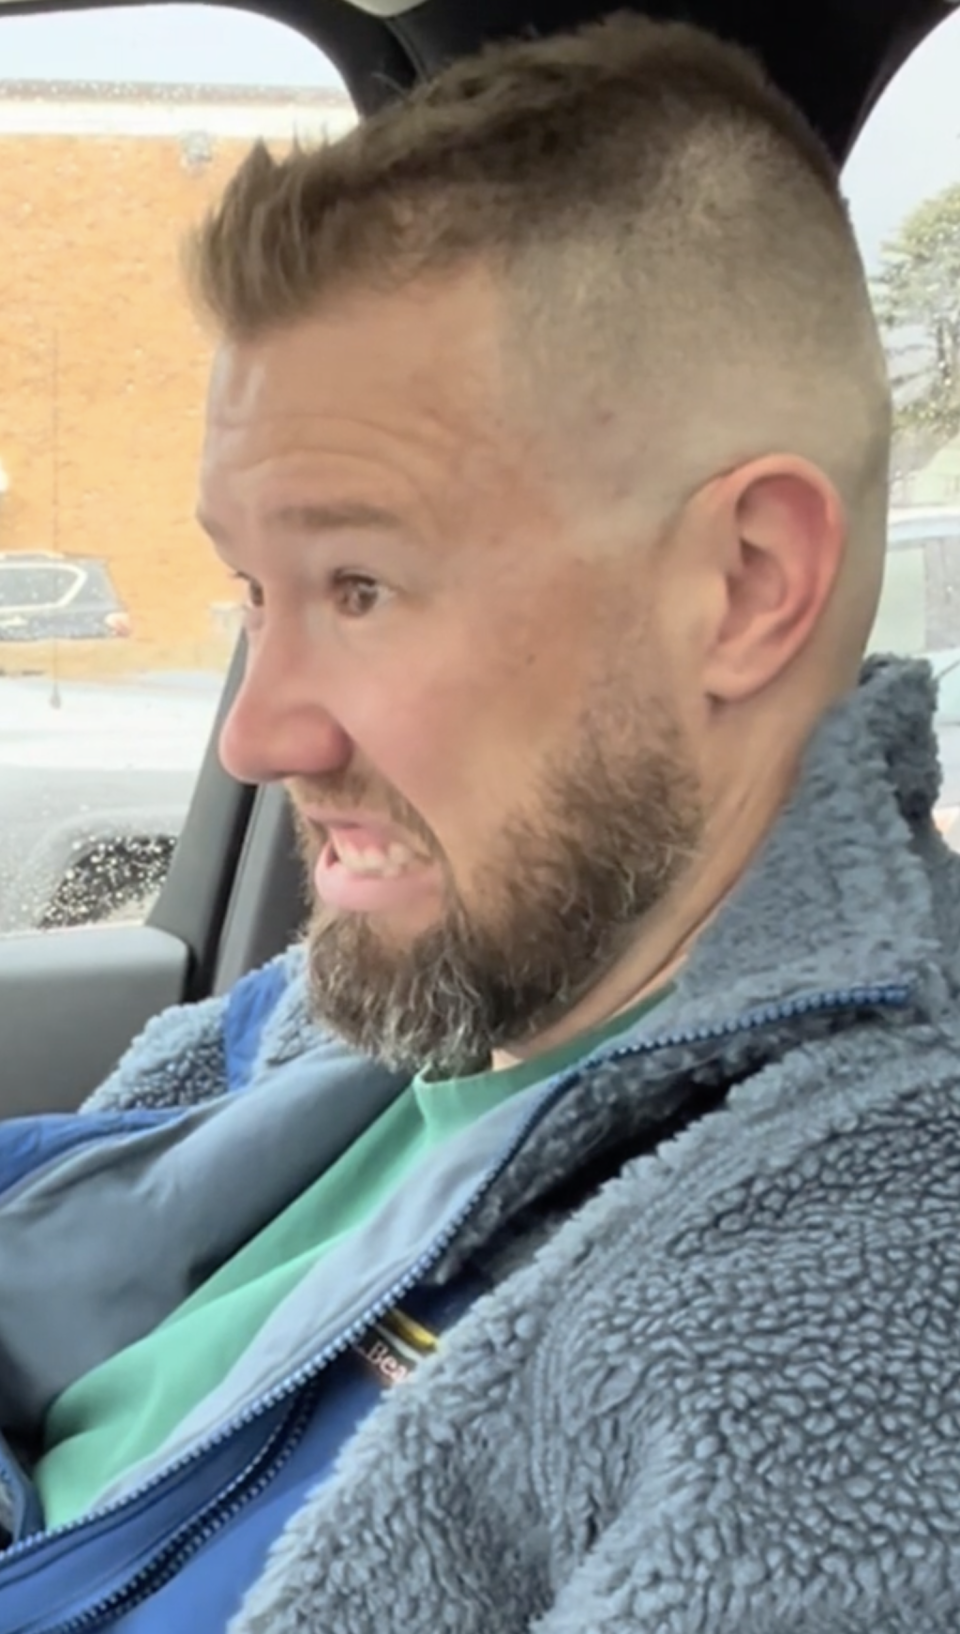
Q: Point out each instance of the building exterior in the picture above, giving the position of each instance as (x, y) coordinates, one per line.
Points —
(102, 365)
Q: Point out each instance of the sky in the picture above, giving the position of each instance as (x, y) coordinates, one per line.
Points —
(909, 149)
(910, 146)
(211, 45)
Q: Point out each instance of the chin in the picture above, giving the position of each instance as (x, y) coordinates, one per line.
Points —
(395, 928)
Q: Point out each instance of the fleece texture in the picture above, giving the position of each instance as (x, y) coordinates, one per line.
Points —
(720, 1393)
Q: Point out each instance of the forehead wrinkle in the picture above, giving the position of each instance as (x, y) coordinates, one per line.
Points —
(450, 434)
(419, 453)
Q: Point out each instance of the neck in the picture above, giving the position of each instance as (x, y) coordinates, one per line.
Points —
(636, 977)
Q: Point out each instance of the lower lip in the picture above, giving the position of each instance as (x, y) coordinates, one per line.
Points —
(338, 887)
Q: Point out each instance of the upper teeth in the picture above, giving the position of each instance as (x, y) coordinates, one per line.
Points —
(373, 860)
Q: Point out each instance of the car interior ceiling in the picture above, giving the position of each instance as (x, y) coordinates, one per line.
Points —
(834, 57)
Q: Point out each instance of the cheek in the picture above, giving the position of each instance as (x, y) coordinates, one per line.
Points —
(461, 739)
(410, 724)
(420, 733)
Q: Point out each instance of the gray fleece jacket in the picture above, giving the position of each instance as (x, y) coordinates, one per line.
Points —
(716, 1389)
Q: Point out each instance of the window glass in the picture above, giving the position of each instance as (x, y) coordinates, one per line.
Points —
(117, 129)
(903, 184)
(24, 587)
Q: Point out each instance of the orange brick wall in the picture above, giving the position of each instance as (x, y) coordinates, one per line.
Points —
(102, 376)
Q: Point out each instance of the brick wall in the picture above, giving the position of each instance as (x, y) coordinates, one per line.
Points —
(102, 377)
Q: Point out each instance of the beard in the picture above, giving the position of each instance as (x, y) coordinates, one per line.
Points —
(555, 905)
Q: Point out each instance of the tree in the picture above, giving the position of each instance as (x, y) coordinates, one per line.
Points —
(917, 299)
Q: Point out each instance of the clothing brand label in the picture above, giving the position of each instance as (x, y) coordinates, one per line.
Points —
(392, 1348)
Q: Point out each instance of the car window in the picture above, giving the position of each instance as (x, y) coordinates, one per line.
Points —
(903, 186)
(28, 588)
(117, 129)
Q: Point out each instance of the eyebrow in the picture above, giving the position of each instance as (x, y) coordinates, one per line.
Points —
(332, 518)
(316, 519)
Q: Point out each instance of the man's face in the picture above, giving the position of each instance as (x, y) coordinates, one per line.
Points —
(458, 681)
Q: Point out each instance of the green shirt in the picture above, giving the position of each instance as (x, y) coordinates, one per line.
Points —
(124, 1409)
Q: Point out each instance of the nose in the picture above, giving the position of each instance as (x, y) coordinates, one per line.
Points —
(277, 726)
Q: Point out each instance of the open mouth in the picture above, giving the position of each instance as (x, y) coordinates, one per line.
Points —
(363, 868)
(368, 861)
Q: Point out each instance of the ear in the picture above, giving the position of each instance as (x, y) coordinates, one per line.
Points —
(777, 532)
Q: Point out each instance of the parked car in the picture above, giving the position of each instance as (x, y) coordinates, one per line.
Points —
(922, 524)
(45, 596)
(922, 590)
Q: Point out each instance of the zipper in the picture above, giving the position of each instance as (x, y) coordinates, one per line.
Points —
(223, 1507)
(245, 1487)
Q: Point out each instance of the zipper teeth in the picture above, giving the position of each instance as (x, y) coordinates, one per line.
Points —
(888, 995)
(193, 1534)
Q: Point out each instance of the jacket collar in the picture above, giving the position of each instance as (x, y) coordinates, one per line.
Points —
(839, 896)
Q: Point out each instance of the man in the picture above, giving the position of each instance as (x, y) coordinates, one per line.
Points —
(567, 1239)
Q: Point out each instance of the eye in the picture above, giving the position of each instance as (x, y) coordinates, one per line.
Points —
(356, 594)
